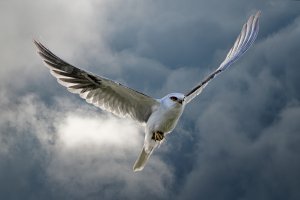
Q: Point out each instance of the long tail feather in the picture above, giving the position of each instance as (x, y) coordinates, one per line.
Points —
(142, 160)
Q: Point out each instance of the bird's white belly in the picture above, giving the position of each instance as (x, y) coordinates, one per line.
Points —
(164, 120)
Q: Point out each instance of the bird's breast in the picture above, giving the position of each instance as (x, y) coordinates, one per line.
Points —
(164, 120)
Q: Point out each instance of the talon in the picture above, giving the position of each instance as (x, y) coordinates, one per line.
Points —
(158, 136)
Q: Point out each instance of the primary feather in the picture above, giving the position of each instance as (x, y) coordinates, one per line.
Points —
(241, 45)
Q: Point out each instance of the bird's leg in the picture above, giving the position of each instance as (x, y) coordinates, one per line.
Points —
(158, 136)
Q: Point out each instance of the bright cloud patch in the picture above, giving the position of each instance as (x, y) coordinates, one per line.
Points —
(95, 152)
(78, 130)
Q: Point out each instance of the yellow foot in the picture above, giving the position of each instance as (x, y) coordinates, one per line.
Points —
(158, 136)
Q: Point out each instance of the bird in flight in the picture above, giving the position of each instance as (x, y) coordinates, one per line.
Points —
(158, 116)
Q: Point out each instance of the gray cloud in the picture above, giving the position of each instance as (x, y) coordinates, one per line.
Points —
(70, 155)
(238, 140)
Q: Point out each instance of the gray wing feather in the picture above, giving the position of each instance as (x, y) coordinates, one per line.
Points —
(99, 91)
(243, 42)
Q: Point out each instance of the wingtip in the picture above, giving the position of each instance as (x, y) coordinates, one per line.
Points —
(258, 13)
(39, 45)
(35, 42)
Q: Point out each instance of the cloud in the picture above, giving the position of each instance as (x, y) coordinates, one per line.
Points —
(79, 152)
(93, 154)
(238, 140)
(243, 148)
(241, 168)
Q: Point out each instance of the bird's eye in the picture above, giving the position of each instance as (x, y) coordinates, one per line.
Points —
(174, 98)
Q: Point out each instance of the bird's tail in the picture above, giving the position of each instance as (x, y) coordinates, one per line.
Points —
(142, 160)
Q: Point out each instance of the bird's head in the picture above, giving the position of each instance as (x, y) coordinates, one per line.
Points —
(174, 99)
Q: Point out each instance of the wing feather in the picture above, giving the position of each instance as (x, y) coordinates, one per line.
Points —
(243, 42)
(99, 91)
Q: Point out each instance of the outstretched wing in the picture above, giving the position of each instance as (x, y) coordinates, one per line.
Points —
(102, 92)
(241, 45)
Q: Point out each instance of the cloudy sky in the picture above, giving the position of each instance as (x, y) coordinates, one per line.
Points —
(238, 140)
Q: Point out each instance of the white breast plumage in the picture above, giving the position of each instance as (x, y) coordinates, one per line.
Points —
(164, 120)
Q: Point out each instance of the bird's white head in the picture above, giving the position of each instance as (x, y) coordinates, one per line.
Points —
(173, 99)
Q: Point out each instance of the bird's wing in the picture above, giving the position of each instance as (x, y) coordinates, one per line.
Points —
(102, 92)
(241, 45)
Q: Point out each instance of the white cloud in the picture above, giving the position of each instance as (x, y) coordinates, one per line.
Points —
(81, 150)
(103, 131)
(95, 151)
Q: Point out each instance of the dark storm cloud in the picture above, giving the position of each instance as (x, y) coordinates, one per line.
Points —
(248, 133)
(238, 140)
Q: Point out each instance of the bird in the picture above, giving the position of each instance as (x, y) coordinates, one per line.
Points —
(158, 116)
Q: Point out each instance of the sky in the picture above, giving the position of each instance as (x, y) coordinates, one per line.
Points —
(238, 140)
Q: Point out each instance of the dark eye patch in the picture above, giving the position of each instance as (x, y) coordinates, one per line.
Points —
(173, 98)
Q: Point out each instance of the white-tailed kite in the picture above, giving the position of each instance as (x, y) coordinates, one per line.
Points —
(159, 116)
